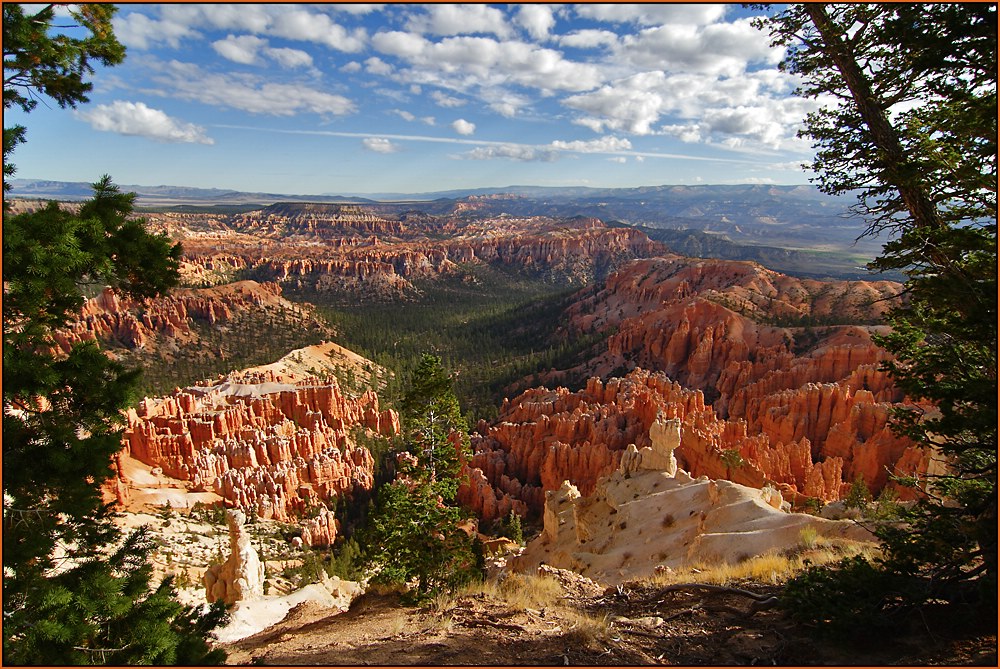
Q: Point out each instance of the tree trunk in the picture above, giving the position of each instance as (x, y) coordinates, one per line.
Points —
(896, 168)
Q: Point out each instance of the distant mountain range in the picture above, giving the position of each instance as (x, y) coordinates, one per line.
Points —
(774, 217)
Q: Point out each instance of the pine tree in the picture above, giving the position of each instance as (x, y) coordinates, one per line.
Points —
(74, 590)
(912, 130)
(413, 531)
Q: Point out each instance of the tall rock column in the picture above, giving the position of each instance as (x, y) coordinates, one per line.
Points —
(241, 576)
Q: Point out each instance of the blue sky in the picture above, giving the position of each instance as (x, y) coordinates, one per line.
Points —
(342, 99)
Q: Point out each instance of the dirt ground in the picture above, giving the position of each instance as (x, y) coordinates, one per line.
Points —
(634, 624)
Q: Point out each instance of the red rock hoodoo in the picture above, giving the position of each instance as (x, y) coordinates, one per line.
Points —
(789, 365)
(269, 448)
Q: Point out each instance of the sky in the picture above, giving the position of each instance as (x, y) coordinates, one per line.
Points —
(406, 98)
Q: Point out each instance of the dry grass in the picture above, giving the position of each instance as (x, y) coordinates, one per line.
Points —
(586, 629)
(519, 591)
(771, 568)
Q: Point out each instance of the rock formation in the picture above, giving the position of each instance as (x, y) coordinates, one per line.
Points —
(544, 437)
(637, 523)
(353, 248)
(798, 401)
(268, 447)
(135, 324)
(241, 576)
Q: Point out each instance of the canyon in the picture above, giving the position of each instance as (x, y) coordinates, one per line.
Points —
(766, 396)
(774, 381)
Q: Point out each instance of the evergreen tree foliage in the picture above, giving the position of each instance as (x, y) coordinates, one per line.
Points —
(74, 590)
(433, 422)
(912, 129)
(413, 531)
(37, 61)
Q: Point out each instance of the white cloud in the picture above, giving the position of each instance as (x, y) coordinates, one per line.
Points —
(429, 120)
(459, 20)
(463, 127)
(379, 145)
(618, 159)
(652, 14)
(716, 49)
(179, 21)
(403, 114)
(588, 39)
(604, 144)
(351, 67)
(632, 104)
(461, 63)
(187, 81)
(136, 119)
(242, 49)
(537, 20)
(300, 24)
(290, 58)
(138, 31)
(445, 100)
(376, 65)
(358, 8)
(519, 152)
(248, 49)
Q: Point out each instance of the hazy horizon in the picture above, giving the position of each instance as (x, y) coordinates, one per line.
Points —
(400, 98)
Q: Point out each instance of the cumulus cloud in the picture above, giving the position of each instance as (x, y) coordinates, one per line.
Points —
(376, 65)
(621, 160)
(301, 24)
(379, 145)
(181, 21)
(632, 104)
(730, 111)
(403, 114)
(249, 49)
(459, 20)
(139, 31)
(716, 49)
(188, 81)
(351, 67)
(290, 58)
(242, 49)
(463, 62)
(588, 39)
(136, 119)
(537, 20)
(652, 14)
(463, 127)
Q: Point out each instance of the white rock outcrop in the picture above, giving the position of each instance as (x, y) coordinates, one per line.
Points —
(241, 576)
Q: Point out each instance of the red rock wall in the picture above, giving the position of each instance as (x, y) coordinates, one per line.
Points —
(275, 452)
(807, 408)
(133, 323)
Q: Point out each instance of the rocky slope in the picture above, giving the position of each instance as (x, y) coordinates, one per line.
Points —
(351, 248)
(776, 381)
(267, 444)
(647, 515)
(169, 321)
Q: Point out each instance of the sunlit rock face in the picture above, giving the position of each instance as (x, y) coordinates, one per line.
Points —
(269, 448)
(241, 577)
(765, 392)
(138, 324)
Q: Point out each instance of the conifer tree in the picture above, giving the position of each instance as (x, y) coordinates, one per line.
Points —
(75, 591)
(912, 130)
(413, 531)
